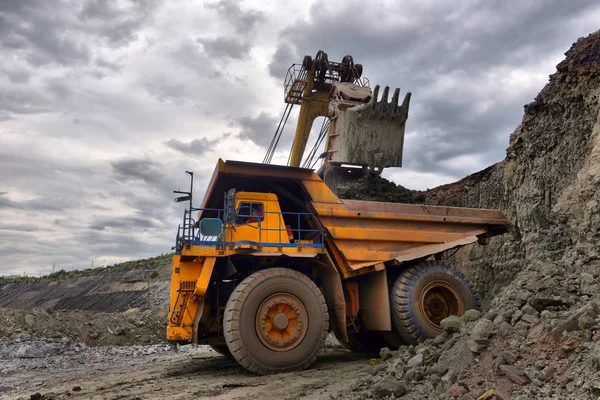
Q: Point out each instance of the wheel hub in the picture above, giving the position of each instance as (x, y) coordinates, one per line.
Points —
(281, 322)
(439, 300)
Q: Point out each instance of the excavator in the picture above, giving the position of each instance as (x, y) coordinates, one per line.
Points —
(363, 133)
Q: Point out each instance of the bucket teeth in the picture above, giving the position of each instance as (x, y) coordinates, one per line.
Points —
(387, 110)
(395, 98)
(369, 134)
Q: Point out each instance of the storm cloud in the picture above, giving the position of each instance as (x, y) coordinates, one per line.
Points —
(105, 105)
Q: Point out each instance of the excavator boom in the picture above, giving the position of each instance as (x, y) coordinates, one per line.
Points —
(362, 130)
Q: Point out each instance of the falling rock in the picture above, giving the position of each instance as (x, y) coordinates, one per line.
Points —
(387, 387)
(595, 353)
(528, 310)
(483, 330)
(499, 319)
(529, 318)
(415, 361)
(434, 379)
(457, 390)
(532, 373)
(29, 319)
(585, 322)
(572, 323)
(547, 374)
(471, 315)
(440, 339)
(509, 357)
(514, 374)
(523, 296)
(475, 347)
(448, 379)
(24, 351)
(516, 317)
(385, 353)
(120, 331)
(451, 324)
(504, 328)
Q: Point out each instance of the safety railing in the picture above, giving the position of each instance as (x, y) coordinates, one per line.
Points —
(294, 84)
(300, 230)
(187, 233)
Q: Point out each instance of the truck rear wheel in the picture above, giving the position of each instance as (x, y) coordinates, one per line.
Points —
(275, 320)
(424, 295)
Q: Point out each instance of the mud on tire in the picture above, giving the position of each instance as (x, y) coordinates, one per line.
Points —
(276, 320)
(425, 294)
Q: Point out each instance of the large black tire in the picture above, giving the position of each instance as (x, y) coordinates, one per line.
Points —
(275, 320)
(222, 349)
(425, 294)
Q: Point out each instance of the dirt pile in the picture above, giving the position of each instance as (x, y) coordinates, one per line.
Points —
(530, 345)
(92, 328)
(375, 188)
(540, 335)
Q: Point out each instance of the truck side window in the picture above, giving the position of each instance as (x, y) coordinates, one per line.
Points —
(248, 213)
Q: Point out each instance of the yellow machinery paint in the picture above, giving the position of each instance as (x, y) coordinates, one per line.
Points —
(331, 241)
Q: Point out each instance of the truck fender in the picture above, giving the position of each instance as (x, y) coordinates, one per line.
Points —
(331, 284)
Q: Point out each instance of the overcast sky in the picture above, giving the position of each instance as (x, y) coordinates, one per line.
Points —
(105, 104)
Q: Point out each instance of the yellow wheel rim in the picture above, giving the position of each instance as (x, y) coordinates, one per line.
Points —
(281, 322)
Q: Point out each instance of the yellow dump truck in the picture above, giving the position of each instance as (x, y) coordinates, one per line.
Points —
(275, 260)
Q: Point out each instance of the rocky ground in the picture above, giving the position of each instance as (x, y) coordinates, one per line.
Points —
(532, 344)
(538, 336)
(62, 369)
(91, 328)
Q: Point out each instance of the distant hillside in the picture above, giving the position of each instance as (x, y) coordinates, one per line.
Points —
(114, 288)
(149, 263)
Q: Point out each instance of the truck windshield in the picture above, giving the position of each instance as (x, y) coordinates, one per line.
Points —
(248, 213)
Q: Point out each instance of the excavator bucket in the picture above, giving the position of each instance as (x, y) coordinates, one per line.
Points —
(370, 134)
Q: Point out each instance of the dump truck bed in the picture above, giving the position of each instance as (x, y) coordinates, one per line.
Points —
(360, 234)
(368, 232)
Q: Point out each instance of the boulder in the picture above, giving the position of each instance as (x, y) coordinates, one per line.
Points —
(482, 330)
(415, 361)
(451, 324)
(389, 386)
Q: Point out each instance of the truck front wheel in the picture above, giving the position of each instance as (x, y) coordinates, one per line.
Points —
(424, 295)
(275, 320)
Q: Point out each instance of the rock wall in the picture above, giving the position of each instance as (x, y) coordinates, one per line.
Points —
(547, 185)
(539, 336)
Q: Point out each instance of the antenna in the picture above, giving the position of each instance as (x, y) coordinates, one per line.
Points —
(187, 221)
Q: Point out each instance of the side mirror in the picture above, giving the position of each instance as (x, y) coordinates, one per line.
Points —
(211, 227)
(182, 198)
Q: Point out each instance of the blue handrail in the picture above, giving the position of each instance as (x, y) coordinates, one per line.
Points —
(187, 236)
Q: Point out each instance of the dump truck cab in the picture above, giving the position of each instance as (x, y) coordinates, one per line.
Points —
(273, 260)
(250, 225)
(260, 224)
